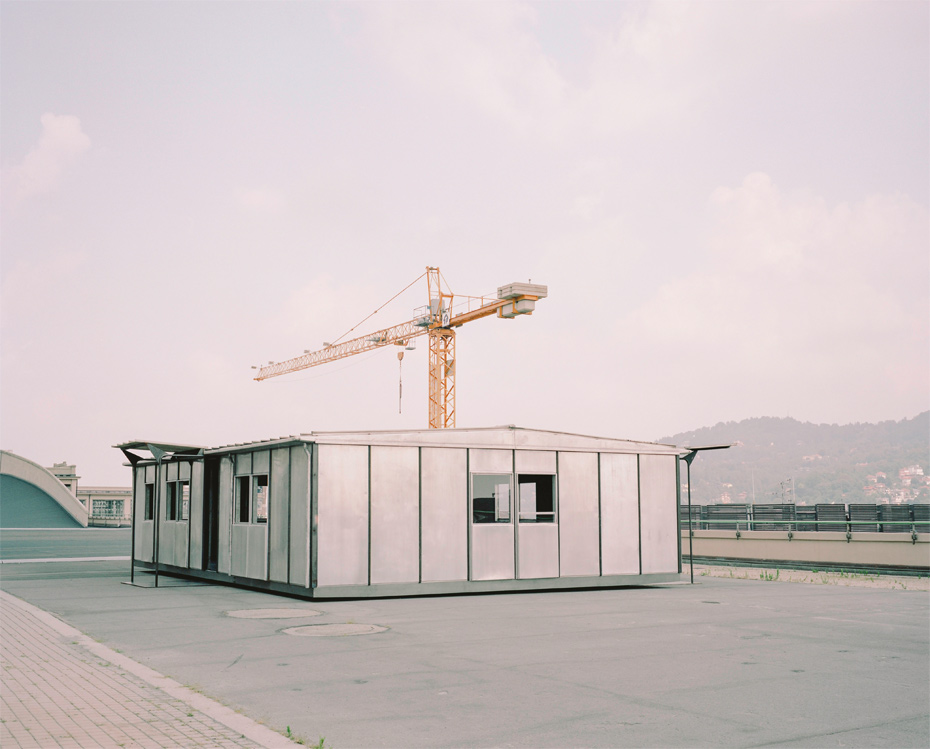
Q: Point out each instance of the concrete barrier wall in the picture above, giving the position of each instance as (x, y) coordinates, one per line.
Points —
(884, 549)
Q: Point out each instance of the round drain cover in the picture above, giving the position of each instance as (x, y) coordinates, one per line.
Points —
(334, 630)
(272, 613)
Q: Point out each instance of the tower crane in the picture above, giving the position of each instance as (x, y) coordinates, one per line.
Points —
(438, 320)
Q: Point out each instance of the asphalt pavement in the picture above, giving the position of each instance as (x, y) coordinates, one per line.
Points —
(720, 663)
(48, 543)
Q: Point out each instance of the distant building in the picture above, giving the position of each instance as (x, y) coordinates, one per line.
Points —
(105, 505)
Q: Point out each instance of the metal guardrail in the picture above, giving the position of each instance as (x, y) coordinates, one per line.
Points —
(823, 517)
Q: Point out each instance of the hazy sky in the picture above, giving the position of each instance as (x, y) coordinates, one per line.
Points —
(727, 200)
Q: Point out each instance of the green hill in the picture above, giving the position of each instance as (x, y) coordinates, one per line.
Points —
(824, 462)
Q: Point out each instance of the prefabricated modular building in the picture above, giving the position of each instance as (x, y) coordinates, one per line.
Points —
(355, 514)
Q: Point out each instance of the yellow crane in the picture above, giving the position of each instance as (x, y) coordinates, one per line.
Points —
(438, 320)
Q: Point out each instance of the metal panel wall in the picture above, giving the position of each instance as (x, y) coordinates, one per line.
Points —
(538, 550)
(250, 550)
(144, 530)
(195, 549)
(257, 554)
(395, 515)
(619, 514)
(279, 515)
(534, 461)
(225, 509)
(658, 513)
(261, 462)
(492, 551)
(492, 544)
(342, 506)
(579, 532)
(490, 461)
(171, 471)
(444, 513)
(243, 464)
(240, 549)
(299, 547)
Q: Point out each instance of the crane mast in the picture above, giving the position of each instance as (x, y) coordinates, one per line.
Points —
(438, 321)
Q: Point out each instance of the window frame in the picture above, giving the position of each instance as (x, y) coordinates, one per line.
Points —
(177, 501)
(148, 502)
(251, 484)
(510, 499)
(553, 515)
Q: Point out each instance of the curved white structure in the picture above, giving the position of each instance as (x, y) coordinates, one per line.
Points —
(32, 473)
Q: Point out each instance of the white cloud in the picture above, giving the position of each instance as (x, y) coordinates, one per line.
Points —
(802, 305)
(484, 54)
(61, 144)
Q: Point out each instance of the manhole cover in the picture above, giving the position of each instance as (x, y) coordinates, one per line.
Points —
(334, 630)
(272, 613)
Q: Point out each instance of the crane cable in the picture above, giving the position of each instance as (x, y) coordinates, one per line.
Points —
(380, 308)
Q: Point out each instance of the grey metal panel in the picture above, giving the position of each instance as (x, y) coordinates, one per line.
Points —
(173, 542)
(144, 530)
(538, 545)
(490, 461)
(150, 474)
(240, 549)
(243, 464)
(492, 551)
(165, 548)
(184, 471)
(619, 514)
(279, 515)
(535, 461)
(225, 509)
(579, 533)
(299, 501)
(342, 507)
(195, 549)
(261, 461)
(257, 551)
(444, 512)
(171, 471)
(395, 515)
(658, 513)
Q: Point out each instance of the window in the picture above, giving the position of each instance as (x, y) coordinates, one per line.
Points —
(171, 501)
(243, 499)
(185, 499)
(178, 500)
(490, 497)
(149, 502)
(107, 508)
(537, 498)
(260, 487)
(252, 499)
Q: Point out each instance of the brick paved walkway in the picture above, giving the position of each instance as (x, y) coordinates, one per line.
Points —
(58, 688)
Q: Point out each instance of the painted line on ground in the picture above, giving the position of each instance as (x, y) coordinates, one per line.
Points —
(261, 735)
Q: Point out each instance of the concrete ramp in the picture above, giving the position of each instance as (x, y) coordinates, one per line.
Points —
(31, 497)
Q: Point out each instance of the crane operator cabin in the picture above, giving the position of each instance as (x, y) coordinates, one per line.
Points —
(441, 510)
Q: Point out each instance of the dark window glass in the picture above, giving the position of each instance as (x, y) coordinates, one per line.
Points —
(149, 501)
(243, 500)
(537, 498)
(171, 501)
